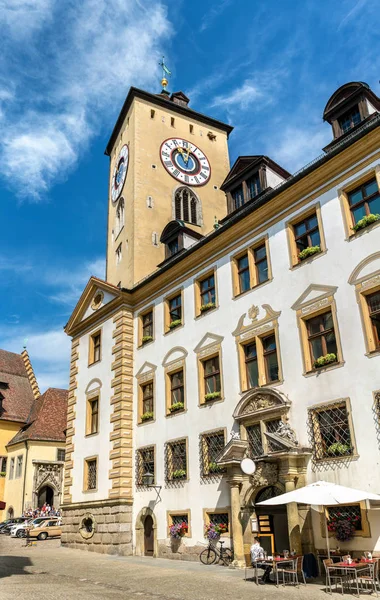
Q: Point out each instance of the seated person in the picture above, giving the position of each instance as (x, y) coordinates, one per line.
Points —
(257, 554)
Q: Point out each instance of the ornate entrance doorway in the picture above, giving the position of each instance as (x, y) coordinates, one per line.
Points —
(46, 494)
(148, 536)
(272, 522)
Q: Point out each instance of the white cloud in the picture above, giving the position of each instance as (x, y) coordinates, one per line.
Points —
(69, 284)
(22, 17)
(77, 77)
(240, 98)
(294, 147)
(214, 12)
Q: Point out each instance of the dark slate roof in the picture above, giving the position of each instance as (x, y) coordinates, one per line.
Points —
(47, 418)
(15, 388)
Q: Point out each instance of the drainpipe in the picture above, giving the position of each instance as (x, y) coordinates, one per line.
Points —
(23, 485)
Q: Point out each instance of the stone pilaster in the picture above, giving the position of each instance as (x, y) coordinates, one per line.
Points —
(70, 422)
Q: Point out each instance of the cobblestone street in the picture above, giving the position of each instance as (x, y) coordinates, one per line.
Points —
(53, 572)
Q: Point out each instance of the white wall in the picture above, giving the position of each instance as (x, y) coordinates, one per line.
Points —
(98, 444)
(357, 379)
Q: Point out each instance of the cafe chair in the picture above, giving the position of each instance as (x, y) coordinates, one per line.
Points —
(251, 566)
(371, 578)
(332, 577)
(297, 567)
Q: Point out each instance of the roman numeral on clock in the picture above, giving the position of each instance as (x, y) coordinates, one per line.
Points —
(201, 174)
(169, 164)
(196, 179)
(165, 154)
(175, 172)
(186, 179)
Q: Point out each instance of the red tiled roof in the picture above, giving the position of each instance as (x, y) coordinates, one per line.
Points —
(17, 394)
(47, 419)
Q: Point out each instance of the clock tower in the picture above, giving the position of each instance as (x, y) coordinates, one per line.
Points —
(167, 163)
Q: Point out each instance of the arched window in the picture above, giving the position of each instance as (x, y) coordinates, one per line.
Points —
(186, 206)
(119, 217)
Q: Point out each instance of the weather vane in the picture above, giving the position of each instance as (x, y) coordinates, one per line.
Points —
(165, 74)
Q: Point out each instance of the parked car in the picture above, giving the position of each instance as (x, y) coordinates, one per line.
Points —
(19, 530)
(44, 530)
(6, 526)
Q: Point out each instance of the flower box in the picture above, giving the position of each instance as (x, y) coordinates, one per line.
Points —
(208, 306)
(148, 416)
(310, 251)
(215, 468)
(178, 530)
(365, 221)
(212, 396)
(179, 474)
(322, 361)
(213, 531)
(176, 406)
(146, 339)
(175, 324)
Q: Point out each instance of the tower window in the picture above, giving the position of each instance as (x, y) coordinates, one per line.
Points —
(118, 255)
(191, 128)
(186, 206)
(119, 217)
(349, 119)
(152, 113)
(172, 121)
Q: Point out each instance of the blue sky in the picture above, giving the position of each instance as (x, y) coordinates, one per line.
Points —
(268, 68)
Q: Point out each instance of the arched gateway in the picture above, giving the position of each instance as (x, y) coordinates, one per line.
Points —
(262, 432)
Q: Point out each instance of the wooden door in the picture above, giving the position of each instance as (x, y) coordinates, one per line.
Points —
(148, 536)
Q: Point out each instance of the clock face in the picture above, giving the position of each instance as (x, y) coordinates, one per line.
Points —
(185, 162)
(119, 173)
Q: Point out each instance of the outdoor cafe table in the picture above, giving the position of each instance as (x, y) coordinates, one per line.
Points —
(274, 562)
(353, 569)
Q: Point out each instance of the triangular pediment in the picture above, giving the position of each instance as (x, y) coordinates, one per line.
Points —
(95, 297)
(209, 339)
(241, 163)
(313, 293)
(146, 368)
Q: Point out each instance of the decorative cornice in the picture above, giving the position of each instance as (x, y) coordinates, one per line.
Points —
(257, 326)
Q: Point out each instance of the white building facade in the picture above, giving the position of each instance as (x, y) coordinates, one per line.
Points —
(260, 338)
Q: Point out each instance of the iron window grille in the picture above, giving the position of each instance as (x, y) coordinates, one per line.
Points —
(306, 233)
(178, 519)
(147, 397)
(261, 263)
(207, 289)
(364, 200)
(259, 444)
(177, 389)
(211, 374)
(254, 440)
(211, 446)
(175, 309)
(321, 335)
(186, 206)
(91, 474)
(330, 432)
(271, 427)
(373, 302)
(145, 463)
(350, 511)
(243, 273)
(147, 324)
(175, 461)
(219, 519)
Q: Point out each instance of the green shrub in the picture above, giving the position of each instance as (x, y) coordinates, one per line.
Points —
(215, 468)
(365, 221)
(175, 323)
(146, 339)
(179, 474)
(309, 252)
(207, 306)
(176, 406)
(338, 449)
(212, 395)
(325, 360)
(147, 416)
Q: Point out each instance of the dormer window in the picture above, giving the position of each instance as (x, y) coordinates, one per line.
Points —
(177, 237)
(173, 247)
(253, 186)
(349, 119)
(238, 196)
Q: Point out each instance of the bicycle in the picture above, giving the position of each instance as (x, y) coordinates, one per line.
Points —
(211, 553)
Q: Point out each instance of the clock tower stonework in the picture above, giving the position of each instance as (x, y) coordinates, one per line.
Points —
(158, 146)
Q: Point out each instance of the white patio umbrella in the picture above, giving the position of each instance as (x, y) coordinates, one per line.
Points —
(322, 494)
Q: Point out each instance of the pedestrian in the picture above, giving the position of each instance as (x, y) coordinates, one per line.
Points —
(257, 555)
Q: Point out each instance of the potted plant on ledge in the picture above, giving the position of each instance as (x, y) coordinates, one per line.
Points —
(322, 361)
(176, 407)
(344, 527)
(175, 324)
(213, 531)
(205, 307)
(179, 474)
(147, 416)
(213, 467)
(307, 252)
(338, 449)
(146, 339)
(178, 530)
(212, 396)
(365, 221)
